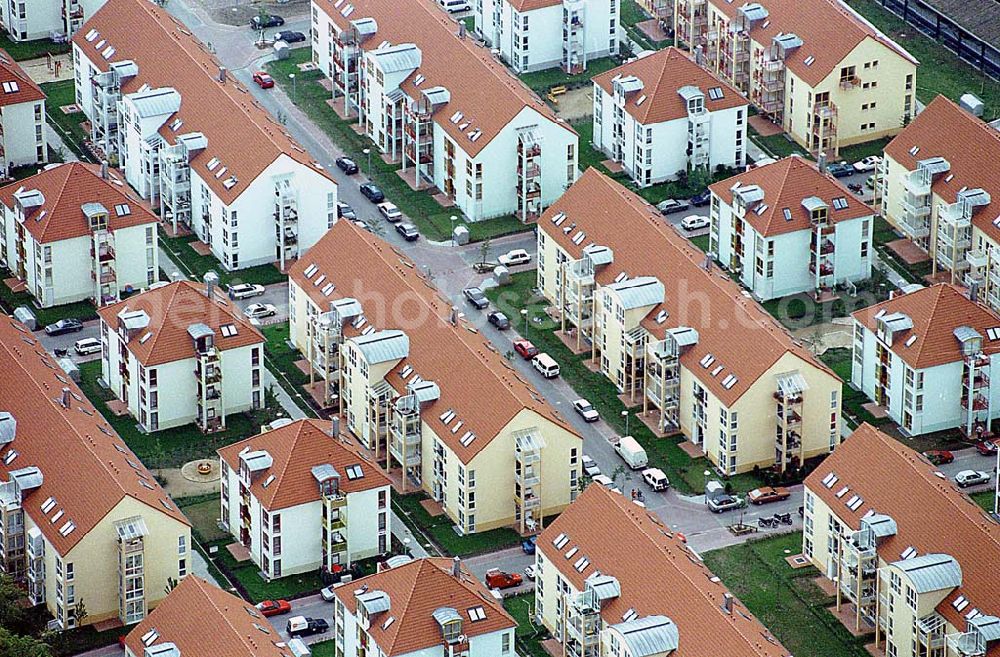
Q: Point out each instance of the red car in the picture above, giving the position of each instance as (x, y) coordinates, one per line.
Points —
(263, 80)
(274, 607)
(987, 447)
(525, 349)
(768, 494)
(939, 456)
(498, 579)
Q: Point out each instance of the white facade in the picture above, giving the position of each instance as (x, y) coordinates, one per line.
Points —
(27, 20)
(565, 33)
(23, 134)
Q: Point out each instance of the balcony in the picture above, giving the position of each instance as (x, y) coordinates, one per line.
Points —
(976, 258)
(848, 83)
(825, 269)
(826, 247)
(979, 402)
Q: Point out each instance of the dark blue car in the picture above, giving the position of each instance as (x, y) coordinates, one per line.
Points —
(528, 545)
(701, 199)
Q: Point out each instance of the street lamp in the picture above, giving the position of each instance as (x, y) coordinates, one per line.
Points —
(625, 415)
(707, 473)
(453, 220)
(524, 313)
(291, 76)
(368, 152)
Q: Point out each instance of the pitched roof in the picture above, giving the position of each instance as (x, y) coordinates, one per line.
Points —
(659, 576)
(241, 134)
(15, 85)
(786, 184)
(522, 6)
(935, 312)
(829, 30)
(894, 480)
(708, 301)
(172, 309)
(296, 449)
(416, 590)
(663, 73)
(200, 618)
(394, 295)
(971, 147)
(486, 93)
(66, 188)
(86, 467)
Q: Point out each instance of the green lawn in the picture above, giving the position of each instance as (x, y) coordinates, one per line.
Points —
(441, 531)
(248, 575)
(527, 636)
(631, 13)
(82, 310)
(325, 648)
(433, 221)
(59, 94)
(883, 232)
(542, 81)
(801, 310)
(984, 499)
(783, 599)
(861, 151)
(778, 146)
(196, 265)
(203, 512)
(280, 359)
(701, 242)
(22, 50)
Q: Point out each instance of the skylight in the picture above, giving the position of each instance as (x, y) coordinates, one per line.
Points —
(909, 553)
(477, 614)
(715, 93)
(560, 541)
(354, 472)
(840, 203)
(228, 330)
(830, 480)
(809, 60)
(10, 87)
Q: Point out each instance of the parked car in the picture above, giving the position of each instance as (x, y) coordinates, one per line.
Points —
(840, 169)
(245, 291)
(967, 478)
(455, 6)
(529, 572)
(259, 23)
(270, 608)
(870, 182)
(289, 36)
(546, 365)
(347, 165)
(68, 325)
(632, 453)
(371, 192)
(718, 500)
(656, 479)
(867, 164)
(260, 310)
(694, 222)
(590, 467)
(475, 296)
(87, 346)
(408, 232)
(528, 544)
(672, 206)
(345, 211)
(514, 257)
(607, 482)
(768, 494)
(701, 198)
(987, 447)
(525, 349)
(263, 80)
(390, 212)
(586, 410)
(939, 456)
(499, 320)
(305, 626)
(498, 579)
(327, 594)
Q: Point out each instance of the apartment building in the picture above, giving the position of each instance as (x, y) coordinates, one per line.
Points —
(656, 599)
(196, 615)
(927, 358)
(938, 186)
(533, 35)
(423, 392)
(672, 333)
(481, 138)
(662, 115)
(82, 522)
(300, 499)
(427, 607)
(191, 140)
(786, 228)
(191, 344)
(818, 69)
(28, 20)
(23, 133)
(913, 560)
(74, 232)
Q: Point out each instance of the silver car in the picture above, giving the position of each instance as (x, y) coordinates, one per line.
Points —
(967, 478)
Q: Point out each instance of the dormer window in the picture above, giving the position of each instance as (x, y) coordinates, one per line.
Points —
(452, 630)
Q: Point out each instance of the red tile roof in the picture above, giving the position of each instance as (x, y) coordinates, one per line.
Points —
(86, 467)
(12, 76)
(662, 74)
(709, 301)
(522, 6)
(486, 93)
(786, 183)
(936, 312)
(295, 449)
(241, 134)
(172, 309)
(416, 589)
(394, 296)
(202, 619)
(658, 575)
(971, 147)
(931, 514)
(66, 188)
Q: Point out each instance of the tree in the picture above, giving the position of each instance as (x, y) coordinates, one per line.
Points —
(13, 645)
(80, 612)
(11, 611)
(484, 251)
(621, 471)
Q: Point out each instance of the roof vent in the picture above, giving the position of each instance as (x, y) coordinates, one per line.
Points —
(8, 428)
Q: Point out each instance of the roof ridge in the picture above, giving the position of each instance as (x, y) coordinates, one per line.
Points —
(223, 613)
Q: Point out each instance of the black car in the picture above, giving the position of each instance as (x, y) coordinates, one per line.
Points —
(347, 165)
(371, 192)
(840, 169)
(306, 626)
(499, 320)
(701, 199)
(345, 211)
(259, 23)
(64, 326)
(670, 206)
(475, 296)
(408, 231)
(290, 36)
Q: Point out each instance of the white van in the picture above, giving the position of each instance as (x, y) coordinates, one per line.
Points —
(455, 6)
(544, 363)
(87, 346)
(632, 453)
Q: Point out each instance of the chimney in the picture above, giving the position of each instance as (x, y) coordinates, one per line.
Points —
(727, 603)
(65, 398)
(707, 264)
(974, 291)
(454, 316)
(104, 169)
(456, 568)
(461, 30)
(821, 162)
(222, 74)
(335, 426)
(211, 280)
